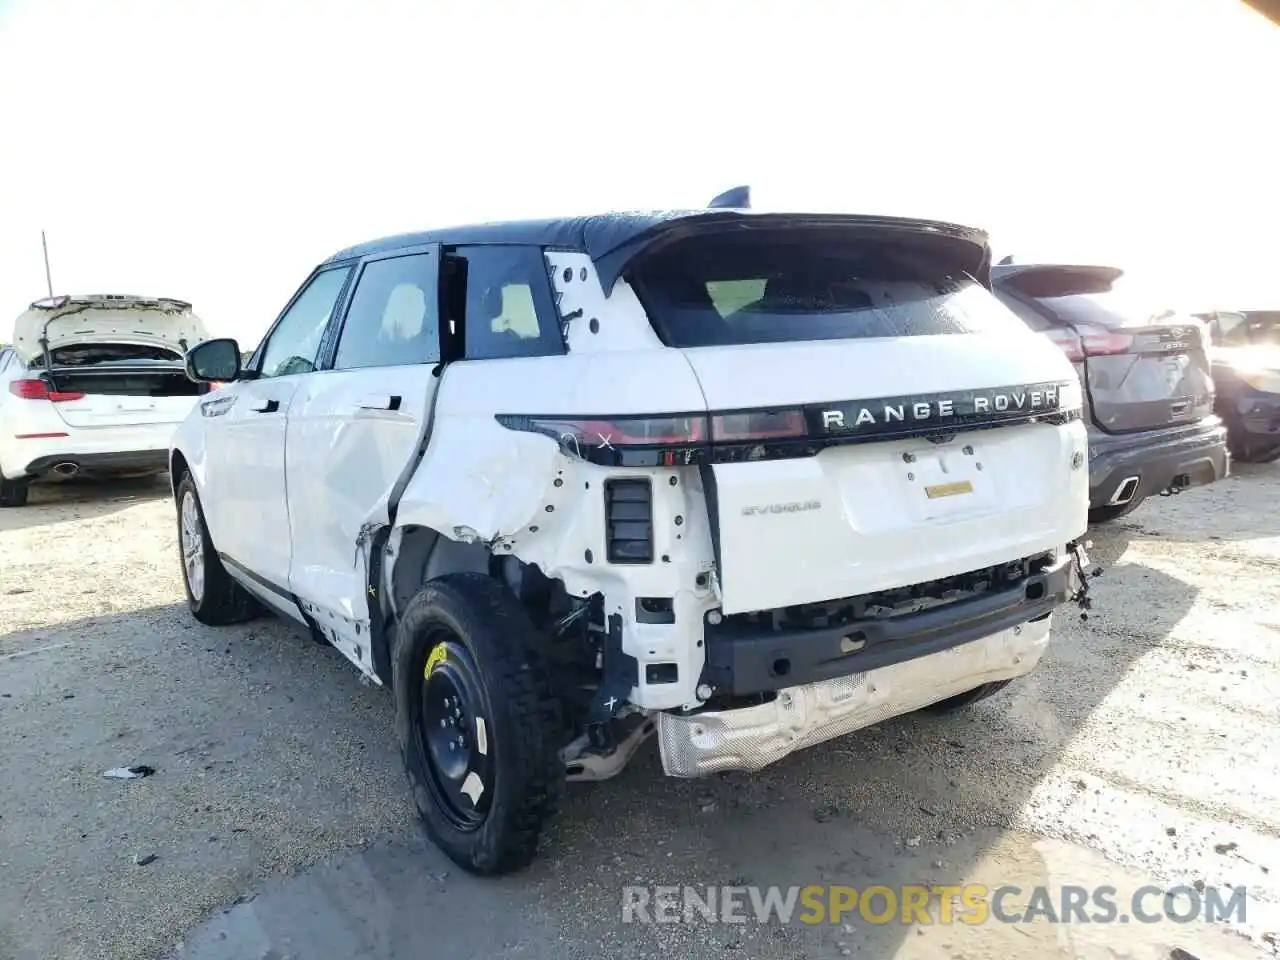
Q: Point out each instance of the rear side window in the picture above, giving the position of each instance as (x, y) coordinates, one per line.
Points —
(394, 316)
(510, 311)
(796, 285)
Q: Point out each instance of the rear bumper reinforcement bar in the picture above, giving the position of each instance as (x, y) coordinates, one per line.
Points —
(746, 661)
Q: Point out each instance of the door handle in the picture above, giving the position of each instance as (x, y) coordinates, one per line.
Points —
(379, 401)
(271, 406)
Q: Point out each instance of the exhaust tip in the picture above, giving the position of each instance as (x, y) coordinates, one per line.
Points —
(1124, 492)
(66, 468)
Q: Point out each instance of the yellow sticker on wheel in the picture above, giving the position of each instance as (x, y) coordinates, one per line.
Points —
(437, 655)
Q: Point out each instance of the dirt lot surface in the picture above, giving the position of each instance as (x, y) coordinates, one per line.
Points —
(1142, 751)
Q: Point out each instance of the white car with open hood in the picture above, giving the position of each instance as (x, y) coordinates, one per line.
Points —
(746, 481)
(93, 386)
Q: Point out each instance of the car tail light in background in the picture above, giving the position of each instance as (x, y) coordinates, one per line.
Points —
(1068, 342)
(1089, 342)
(1104, 343)
(39, 390)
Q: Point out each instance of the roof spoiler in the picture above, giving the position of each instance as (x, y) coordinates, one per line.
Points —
(735, 198)
(1054, 279)
(970, 245)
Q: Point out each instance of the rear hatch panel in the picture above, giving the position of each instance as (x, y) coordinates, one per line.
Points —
(856, 519)
(938, 434)
(113, 360)
(1142, 369)
(103, 319)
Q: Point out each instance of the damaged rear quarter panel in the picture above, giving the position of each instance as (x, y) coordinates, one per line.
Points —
(520, 494)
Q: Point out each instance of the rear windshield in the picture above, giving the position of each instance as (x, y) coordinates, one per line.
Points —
(1112, 309)
(782, 286)
(91, 354)
(1095, 299)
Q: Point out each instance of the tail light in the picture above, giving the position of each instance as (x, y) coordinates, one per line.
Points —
(39, 390)
(662, 441)
(1068, 342)
(1104, 343)
(757, 425)
(1089, 342)
(731, 436)
(623, 441)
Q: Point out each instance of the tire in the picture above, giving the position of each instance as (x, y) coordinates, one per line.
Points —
(215, 599)
(962, 700)
(1107, 514)
(466, 670)
(1256, 455)
(13, 493)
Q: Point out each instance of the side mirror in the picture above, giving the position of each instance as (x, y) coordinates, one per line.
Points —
(214, 361)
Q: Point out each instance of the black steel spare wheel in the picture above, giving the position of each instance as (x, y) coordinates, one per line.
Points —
(477, 722)
(459, 755)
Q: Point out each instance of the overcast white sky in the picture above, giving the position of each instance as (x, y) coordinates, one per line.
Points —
(214, 151)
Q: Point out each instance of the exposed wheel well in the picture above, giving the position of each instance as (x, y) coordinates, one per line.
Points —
(422, 554)
(177, 470)
(416, 555)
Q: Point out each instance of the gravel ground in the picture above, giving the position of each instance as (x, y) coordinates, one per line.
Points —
(1141, 751)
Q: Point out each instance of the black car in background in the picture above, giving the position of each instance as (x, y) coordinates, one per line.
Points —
(1246, 371)
(1148, 389)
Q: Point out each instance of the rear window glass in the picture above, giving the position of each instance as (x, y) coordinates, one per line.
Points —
(1118, 304)
(771, 287)
(1112, 309)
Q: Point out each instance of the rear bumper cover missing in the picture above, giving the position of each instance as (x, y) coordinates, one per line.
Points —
(745, 661)
(750, 738)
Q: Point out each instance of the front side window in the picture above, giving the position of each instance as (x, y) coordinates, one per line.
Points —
(509, 308)
(294, 344)
(394, 316)
(800, 284)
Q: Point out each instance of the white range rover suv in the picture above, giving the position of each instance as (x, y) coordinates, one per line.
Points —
(746, 480)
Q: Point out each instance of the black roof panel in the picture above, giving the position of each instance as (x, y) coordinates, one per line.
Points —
(595, 235)
(612, 239)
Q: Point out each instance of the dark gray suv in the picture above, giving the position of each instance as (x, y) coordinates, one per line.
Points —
(1148, 390)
